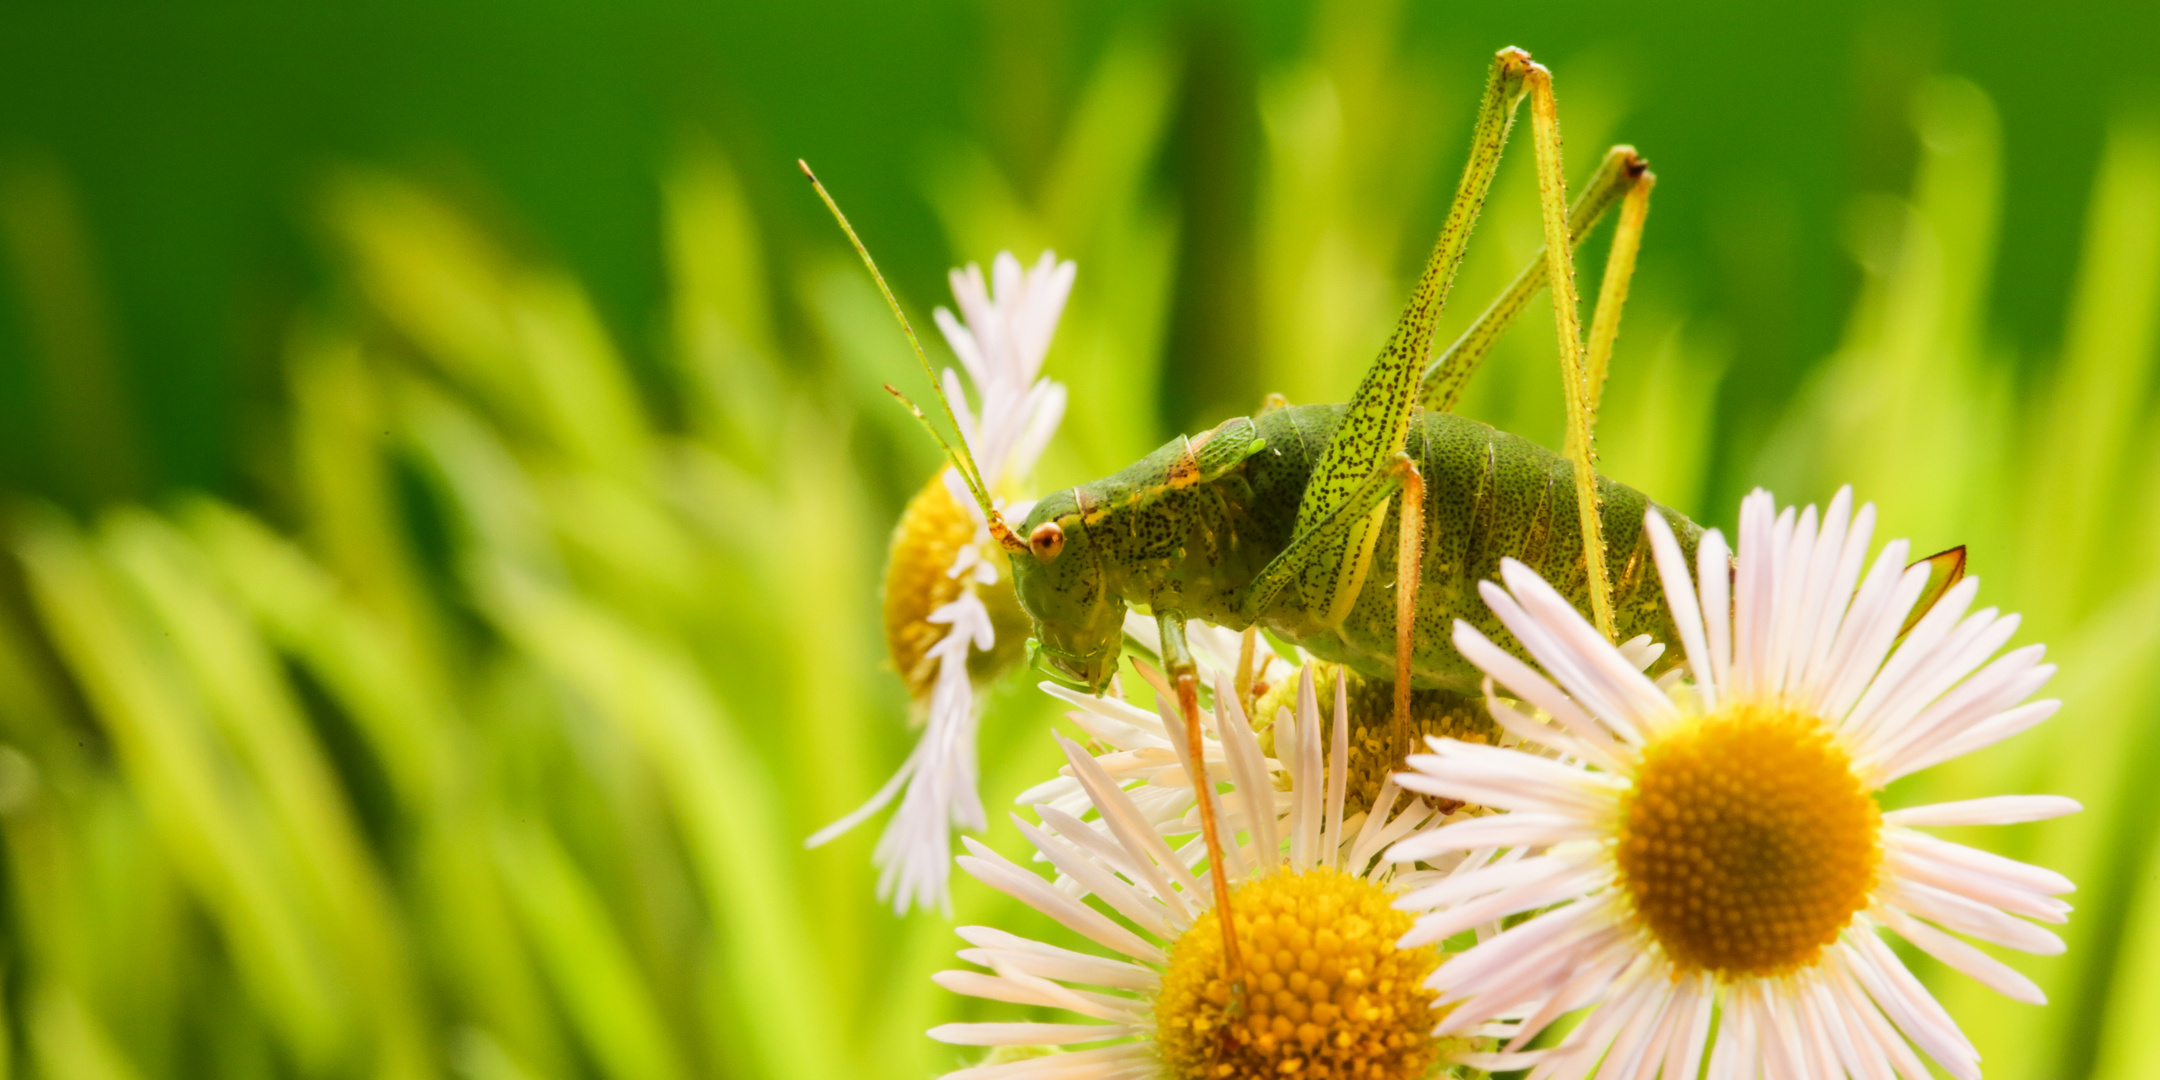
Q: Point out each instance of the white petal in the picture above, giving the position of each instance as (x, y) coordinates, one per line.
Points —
(1041, 992)
(1338, 774)
(1051, 961)
(2010, 679)
(1785, 1051)
(1248, 770)
(1755, 586)
(1974, 885)
(1632, 694)
(1132, 828)
(1684, 1056)
(1871, 627)
(1460, 887)
(1984, 734)
(1866, 1021)
(1233, 860)
(1500, 830)
(1992, 973)
(1114, 855)
(1819, 1015)
(1735, 1044)
(1550, 735)
(1713, 579)
(1524, 952)
(1025, 1034)
(1686, 609)
(1974, 919)
(1142, 910)
(1993, 810)
(1640, 1046)
(1531, 687)
(1550, 889)
(1814, 598)
(1307, 782)
(1560, 976)
(1620, 1022)
(1817, 672)
(996, 871)
(2025, 875)
(1793, 606)
(1126, 1061)
(1908, 1004)
(1509, 780)
(1915, 651)
(1558, 660)
(1897, 700)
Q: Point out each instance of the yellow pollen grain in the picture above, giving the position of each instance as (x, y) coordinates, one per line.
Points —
(1327, 995)
(1748, 843)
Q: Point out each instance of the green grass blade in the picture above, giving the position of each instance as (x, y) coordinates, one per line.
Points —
(724, 804)
(608, 999)
(218, 841)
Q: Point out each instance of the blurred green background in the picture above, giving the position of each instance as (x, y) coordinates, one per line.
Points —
(447, 482)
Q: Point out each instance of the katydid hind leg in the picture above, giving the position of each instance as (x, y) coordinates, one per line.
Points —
(1445, 378)
(1409, 568)
(1560, 270)
(1376, 425)
(1324, 538)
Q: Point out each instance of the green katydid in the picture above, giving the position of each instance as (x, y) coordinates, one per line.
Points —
(1274, 521)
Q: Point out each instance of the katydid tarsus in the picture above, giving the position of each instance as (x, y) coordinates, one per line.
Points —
(1275, 521)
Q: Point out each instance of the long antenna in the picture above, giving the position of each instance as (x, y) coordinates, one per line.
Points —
(956, 451)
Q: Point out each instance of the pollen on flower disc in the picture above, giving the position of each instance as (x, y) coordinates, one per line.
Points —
(1748, 843)
(919, 580)
(1327, 993)
(1377, 750)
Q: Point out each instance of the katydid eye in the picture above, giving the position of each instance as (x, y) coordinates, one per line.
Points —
(1046, 541)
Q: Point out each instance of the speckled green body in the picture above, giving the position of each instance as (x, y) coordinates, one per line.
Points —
(1164, 535)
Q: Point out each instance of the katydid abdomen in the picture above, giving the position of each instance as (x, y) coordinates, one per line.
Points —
(1164, 535)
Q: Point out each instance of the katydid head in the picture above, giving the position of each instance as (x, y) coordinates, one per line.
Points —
(1079, 621)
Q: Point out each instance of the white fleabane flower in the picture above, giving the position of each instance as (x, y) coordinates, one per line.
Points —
(1714, 847)
(1327, 992)
(951, 619)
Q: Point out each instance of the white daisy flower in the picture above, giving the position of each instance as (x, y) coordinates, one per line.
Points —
(1327, 992)
(951, 618)
(1714, 848)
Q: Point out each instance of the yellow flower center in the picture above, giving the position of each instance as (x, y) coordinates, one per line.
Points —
(1748, 842)
(1376, 751)
(918, 581)
(1327, 993)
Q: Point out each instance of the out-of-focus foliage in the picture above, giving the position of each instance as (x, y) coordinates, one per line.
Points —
(477, 735)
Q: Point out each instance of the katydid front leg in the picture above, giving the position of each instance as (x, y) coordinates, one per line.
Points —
(1184, 677)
